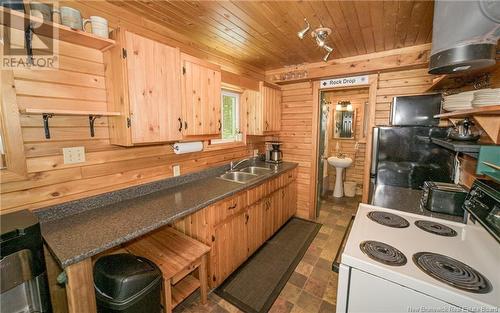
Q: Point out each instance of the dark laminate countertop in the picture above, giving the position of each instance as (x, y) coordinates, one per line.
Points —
(407, 200)
(83, 228)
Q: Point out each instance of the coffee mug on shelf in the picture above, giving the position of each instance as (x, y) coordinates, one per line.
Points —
(71, 17)
(99, 26)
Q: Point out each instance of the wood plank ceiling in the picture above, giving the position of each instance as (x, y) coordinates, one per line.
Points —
(263, 33)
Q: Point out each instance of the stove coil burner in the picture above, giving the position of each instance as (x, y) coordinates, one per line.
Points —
(383, 253)
(388, 219)
(436, 228)
(452, 272)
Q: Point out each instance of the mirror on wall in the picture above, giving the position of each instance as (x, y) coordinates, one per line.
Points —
(344, 120)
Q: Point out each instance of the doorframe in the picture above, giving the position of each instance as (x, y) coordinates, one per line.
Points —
(372, 100)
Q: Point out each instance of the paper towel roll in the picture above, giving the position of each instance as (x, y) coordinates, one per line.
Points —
(188, 147)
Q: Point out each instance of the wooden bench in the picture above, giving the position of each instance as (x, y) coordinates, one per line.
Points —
(178, 256)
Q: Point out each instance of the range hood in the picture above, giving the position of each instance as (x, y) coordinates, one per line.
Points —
(464, 35)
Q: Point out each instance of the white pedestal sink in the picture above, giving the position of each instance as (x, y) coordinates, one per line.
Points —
(339, 164)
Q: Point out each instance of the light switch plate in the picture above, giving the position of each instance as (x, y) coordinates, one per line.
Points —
(177, 170)
(255, 152)
(74, 155)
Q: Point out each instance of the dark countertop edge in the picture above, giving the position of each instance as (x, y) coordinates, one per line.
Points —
(140, 232)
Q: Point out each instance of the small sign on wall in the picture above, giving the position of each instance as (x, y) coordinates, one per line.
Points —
(344, 82)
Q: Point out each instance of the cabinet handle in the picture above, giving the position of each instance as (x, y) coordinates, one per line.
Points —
(180, 124)
(220, 125)
(282, 193)
(267, 125)
(233, 206)
(246, 218)
(185, 125)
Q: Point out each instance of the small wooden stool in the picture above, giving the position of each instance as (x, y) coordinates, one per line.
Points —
(178, 256)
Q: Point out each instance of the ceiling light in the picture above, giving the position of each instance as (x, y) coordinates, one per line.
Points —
(304, 31)
(328, 51)
(320, 41)
(320, 35)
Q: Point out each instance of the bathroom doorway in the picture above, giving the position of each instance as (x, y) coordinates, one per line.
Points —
(343, 130)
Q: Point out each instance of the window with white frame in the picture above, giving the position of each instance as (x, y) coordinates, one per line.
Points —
(230, 119)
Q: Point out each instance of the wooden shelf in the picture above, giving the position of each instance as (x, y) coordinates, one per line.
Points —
(184, 289)
(438, 83)
(14, 18)
(485, 110)
(69, 112)
(459, 80)
(47, 114)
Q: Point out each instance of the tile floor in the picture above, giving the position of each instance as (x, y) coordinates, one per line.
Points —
(313, 285)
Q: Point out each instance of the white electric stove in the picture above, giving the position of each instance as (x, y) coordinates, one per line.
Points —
(395, 261)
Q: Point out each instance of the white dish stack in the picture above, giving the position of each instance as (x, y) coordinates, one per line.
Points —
(486, 97)
(459, 101)
(470, 99)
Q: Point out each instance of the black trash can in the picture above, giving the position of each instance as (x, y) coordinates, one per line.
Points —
(128, 284)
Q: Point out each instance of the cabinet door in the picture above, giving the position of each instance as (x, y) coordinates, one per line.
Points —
(268, 217)
(229, 247)
(255, 227)
(154, 90)
(271, 99)
(201, 97)
(251, 99)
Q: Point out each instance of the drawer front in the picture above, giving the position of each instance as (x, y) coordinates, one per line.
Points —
(256, 194)
(228, 207)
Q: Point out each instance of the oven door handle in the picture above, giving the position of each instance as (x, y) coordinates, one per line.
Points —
(336, 261)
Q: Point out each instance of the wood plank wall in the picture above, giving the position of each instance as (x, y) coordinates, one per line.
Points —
(358, 97)
(296, 135)
(79, 85)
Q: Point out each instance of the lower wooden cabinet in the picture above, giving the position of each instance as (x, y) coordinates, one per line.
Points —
(255, 227)
(236, 227)
(229, 246)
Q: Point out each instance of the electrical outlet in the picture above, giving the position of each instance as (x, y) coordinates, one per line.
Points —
(74, 155)
(177, 170)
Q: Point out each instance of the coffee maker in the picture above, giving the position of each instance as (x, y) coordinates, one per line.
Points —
(273, 152)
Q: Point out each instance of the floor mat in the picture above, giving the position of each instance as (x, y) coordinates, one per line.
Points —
(256, 284)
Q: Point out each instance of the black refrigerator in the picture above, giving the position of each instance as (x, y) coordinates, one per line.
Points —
(403, 154)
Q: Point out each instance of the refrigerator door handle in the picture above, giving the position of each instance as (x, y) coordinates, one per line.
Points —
(373, 169)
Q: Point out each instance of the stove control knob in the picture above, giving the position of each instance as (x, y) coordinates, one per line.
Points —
(467, 204)
(475, 193)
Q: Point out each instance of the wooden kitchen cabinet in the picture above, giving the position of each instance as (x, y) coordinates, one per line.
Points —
(201, 97)
(145, 79)
(230, 247)
(237, 226)
(263, 109)
(255, 227)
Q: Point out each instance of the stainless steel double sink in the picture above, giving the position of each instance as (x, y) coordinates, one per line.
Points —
(246, 174)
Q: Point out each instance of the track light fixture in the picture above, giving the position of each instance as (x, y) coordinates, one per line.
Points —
(304, 31)
(320, 35)
(328, 51)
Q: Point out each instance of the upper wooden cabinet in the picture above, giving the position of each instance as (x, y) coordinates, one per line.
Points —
(263, 109)
(145, 88)
(201, 97)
